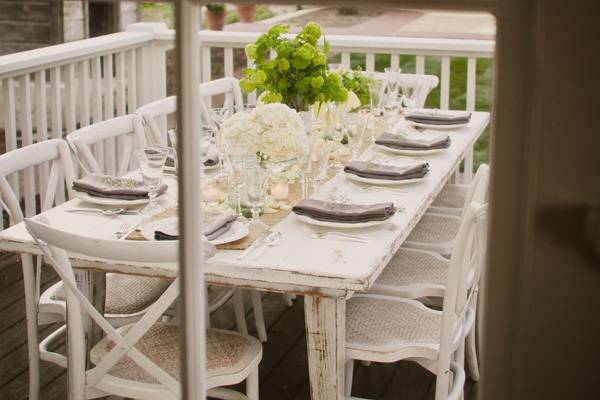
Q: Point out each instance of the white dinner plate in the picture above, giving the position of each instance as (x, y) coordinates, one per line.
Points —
(343, 225)
(438, 127)
(406, 152)
(105, 201)
(382, 182)
(237, 231)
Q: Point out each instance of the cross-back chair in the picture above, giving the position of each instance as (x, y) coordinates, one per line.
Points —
(420, 83)
(139, 360)
(383, 328)
(107, 147)
(46, 168)
(154, 113)
(453, 198)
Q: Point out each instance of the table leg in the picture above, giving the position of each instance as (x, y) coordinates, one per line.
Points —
(325, 337)
(31, 312)
(97, 296)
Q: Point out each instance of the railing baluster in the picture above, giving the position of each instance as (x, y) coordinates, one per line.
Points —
(98, 148)
(471, 80)
(120, 98)
(228, 61)
(71, 103)
(346, 60)
(84, 93)
(445, 84)
(420, 65)
(41, 126)
(370, 62)
(394, 61)
(56, 120)
(131, 82)
(26, 125)
(10, 126)
(109, 112)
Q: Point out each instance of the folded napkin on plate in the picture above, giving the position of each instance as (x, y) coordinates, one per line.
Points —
(212, 230)
(414, 142)
(438, 117)
(367, 169)
(348, 213)
(111, 187)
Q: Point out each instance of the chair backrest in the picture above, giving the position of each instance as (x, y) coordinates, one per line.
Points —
(107, 147)
(466, 264)
(479, 189)
(48, 163)
(421, 84)
(152, 113)
(55, 243)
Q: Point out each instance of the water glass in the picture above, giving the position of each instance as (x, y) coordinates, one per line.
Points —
(152, 161)
(172, 133)
(392, 77)
(356, 125)
(376, 89)
(319, 164)
(220, 114)
(256, 180)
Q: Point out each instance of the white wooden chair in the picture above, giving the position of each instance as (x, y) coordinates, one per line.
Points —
(452, 199)
(107, 147)
(153, 113)
(437, 232)
(387, 329)
(422, 84)
(139, 360)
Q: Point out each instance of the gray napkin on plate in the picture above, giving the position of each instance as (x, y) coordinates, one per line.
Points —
(412, 143)
(347, 213)
(367, 169)
(214, 229)
(111, 187)
(438, 118)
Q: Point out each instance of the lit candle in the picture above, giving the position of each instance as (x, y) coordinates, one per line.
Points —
(211, 193)
(280, 190)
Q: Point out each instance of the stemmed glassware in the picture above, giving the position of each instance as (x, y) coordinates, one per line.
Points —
(335, 116)
(238, 158)
(256, 179)
(220, 114)
(392, 77)
(152, 161)
(356, 125)
(319, 164)
(376, 92)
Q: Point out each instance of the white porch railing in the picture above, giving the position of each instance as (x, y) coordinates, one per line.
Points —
(49, 92)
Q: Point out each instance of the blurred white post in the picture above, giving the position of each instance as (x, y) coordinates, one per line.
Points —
(191, 262)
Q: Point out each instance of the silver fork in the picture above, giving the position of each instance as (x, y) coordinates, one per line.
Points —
(336, 235)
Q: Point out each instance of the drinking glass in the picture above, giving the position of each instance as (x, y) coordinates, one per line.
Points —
(319, 164)
(256, 181)
(356, 125)
(409, 94)
(172, 133)
(152, 161)
(305, 162)
(336, 130)
(237, 157)
(220, 114)
(376, 90)
(392, 77)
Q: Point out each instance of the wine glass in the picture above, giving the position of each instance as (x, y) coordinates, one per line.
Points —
(356, 125)
(152, 161)
(255, 181)
(319, 164)
(335, 116)
(237, 157)
(376, 90)
(392, 77)
(172, 133)
(409, 93)
(220, 114)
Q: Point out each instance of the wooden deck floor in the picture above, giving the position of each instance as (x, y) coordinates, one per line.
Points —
(283, 370)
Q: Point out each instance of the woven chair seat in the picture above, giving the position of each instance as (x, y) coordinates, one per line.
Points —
(126, 294)
(411, 268)
(434, 232)
(385, 325)
(451, 196)
(227, 353)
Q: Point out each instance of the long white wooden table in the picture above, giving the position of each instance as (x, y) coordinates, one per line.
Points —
(326, 272)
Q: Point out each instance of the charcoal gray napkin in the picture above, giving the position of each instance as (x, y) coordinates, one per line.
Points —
(393, 141)
(367, 169)
(347, 213)
(438, 118)
(111, 187)
(214, 229)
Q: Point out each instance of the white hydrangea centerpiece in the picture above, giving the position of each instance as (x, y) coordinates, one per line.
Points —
(273, 131)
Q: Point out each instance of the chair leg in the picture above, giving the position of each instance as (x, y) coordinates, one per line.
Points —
(259, 318)
(32, 326)
(240, 313)
(460, 360)
(442, 383)
(472, 364)
(349, 371)
(252, 385)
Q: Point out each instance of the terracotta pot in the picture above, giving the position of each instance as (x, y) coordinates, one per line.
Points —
(214, 21)
(246, 12)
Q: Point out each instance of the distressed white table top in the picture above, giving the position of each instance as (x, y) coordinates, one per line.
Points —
(298, 263)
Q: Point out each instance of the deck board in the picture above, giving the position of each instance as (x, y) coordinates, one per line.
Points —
(283, 370)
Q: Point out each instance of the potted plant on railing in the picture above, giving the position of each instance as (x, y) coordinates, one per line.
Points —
(246, 12)
(297, 76)
(215, 16)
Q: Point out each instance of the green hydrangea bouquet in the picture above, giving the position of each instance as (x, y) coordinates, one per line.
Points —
(298, 75)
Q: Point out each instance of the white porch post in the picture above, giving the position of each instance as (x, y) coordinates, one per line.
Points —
(190, 201)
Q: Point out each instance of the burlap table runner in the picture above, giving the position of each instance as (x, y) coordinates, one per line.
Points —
(270, 219)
